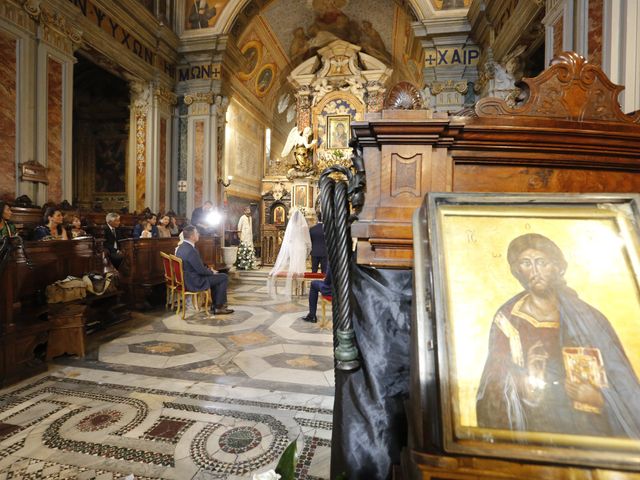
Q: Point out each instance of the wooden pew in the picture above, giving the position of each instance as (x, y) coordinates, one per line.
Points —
(142, 268)
(24, 324)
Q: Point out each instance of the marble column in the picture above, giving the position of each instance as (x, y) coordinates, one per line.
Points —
(204, 147)
(8, 100)
(138, 145)
(159, 144)
(54, 130)
(303, 104)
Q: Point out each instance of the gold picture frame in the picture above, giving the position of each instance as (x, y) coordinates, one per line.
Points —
(338, 131)
(252, 50)
(535, 311)
(265, 79)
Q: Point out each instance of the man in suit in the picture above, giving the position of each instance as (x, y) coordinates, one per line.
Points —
(112, 239)
(318, 247)
(323, 287)
(197, 276)
(199, 217)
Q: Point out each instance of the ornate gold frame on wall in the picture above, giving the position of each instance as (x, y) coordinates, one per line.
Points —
(259, 47)
(605, 225)
(274, 70)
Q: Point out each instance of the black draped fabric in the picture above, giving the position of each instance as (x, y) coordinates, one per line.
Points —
(369, 420)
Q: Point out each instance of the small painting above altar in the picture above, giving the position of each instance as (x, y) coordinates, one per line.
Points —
(338, 134)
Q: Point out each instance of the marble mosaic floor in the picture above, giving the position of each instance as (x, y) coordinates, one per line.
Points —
(159, 397)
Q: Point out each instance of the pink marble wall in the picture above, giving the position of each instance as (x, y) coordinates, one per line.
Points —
(163, 164)
(198, 162)
(54, 130)
(595, 31)
(7, 117)
(557, 37)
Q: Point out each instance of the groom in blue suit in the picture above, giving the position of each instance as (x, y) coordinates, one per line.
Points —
(197, 276)
(318, 287)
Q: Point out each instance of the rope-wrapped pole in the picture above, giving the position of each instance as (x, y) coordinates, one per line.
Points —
(334, 199)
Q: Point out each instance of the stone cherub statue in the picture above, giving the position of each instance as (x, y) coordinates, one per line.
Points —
(301, 146)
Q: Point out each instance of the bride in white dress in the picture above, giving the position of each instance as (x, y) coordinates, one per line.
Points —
(292, 258)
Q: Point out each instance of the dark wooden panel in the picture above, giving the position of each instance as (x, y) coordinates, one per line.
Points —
(505, 178)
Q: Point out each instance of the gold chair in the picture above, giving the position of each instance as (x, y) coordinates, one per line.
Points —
(324, 301)
(169, 280)
(181, 289)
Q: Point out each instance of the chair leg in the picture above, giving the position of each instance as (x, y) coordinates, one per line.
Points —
(323, 304)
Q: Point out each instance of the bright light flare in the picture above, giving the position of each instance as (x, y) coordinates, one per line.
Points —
(214, 218)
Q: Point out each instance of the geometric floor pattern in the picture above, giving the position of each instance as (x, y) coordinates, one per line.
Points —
(161, 397)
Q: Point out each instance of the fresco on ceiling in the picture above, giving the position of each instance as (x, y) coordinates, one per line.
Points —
(305, 26)
(202, 13)
(450, 4)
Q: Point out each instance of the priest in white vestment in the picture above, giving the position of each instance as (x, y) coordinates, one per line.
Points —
(245, 228)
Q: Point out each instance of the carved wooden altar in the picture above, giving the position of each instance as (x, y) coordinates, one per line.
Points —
(569, 135)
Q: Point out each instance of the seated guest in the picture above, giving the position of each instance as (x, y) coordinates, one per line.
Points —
(76, 228)
(317, 286)
(52, 228)
(146, 230)
(164, 230)
(199, 217)
(7, 228)
(197, 276)
(111, 239)
(318, 248)
(173, 224)
(151, 218)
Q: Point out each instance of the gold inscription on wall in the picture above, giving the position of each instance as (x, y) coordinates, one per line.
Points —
(439, 57)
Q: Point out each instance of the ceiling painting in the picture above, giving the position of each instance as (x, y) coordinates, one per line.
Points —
(450, 4)
(201, 14)
(302, 27)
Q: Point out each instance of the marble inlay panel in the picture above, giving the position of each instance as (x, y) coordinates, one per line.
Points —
(169, 433)
(54, 129)
(557, 36)
(163, 164)
(7, 117)
(182, 159)
(198, 161)
(596, 8)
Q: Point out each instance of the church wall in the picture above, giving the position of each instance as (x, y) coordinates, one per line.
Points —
(244, 151)
(54, 130)
(8, 99)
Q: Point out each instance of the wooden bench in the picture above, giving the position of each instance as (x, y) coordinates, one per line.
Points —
(25, 316)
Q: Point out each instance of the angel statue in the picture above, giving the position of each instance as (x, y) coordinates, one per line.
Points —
(301, 146)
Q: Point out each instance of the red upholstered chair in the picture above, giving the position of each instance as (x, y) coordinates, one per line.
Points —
(308, 278)
(169, 279)
(181, 289)
(324, 301)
